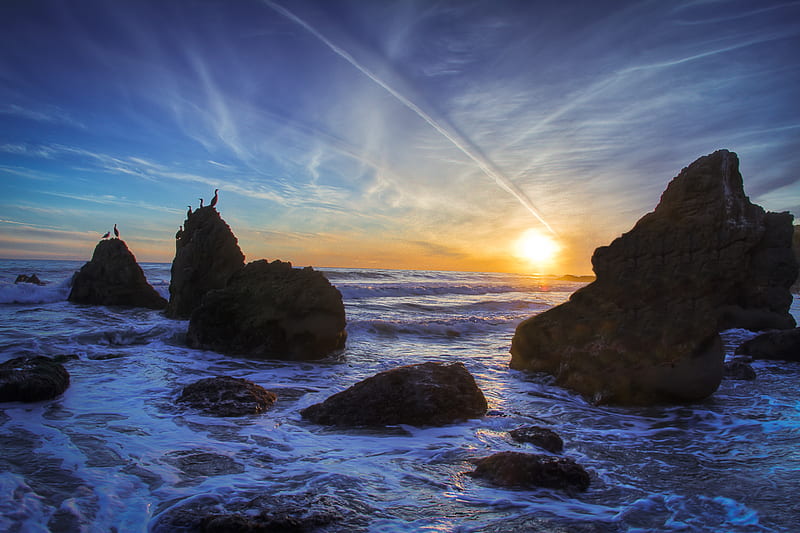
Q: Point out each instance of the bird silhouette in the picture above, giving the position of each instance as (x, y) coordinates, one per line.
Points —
(189, 212)
(180, 232)
(201, 203)
(108, 233)
(116, 231)
(214, 200)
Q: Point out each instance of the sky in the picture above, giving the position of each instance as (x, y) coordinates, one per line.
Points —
(384, 134)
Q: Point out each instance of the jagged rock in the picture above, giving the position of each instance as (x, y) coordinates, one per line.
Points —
(271, 310)
(427, 394)
(32, 379)
(33, 278)
(740, 370)
(206, 255)
(646, 330)
(777, 345)
(796, 247)
(527, 470)
(542, 437)
(113, 277)
(227, 396)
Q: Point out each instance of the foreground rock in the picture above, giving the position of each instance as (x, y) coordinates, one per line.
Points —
(32, 379)
(427, 394)
(646, 330)
(542, 437)
(206, 255)
(113, 277)
(274, 311)
(527, 470)
(227, 396)
(777, 345)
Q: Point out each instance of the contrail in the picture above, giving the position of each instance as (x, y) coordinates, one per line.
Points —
(486, 166)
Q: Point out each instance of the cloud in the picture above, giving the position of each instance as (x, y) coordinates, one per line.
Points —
(48, 114)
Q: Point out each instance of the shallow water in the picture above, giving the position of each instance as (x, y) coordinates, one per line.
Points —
(115, 453)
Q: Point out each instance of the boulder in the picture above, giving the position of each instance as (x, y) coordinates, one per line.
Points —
(271, 310)
(528, 470)
(227, 396)
(206, 255)
(542, 437)
(427, 394)
(739, 370)
(113, 277)
(33, 278)
(32, 379)
(778, 345)
(646, 330)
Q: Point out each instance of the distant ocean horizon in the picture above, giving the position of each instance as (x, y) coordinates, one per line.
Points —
(110, 453)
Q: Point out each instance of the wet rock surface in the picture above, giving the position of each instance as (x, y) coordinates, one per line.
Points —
(427, 394)
(526, 470)
(646, 330)
(113, 277)
(739, 369)
(776, 345)
(544, 438)
(32, 379)
(226, 396)
(274, 311)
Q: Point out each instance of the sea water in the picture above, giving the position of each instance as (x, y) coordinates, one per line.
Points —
(106, 455)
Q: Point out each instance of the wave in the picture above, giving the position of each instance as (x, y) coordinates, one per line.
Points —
(358, 292)
(29, 293)
(445, 328)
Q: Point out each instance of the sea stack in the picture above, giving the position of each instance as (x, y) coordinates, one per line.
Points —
(206, 255)
(113, 277)
(647, 329)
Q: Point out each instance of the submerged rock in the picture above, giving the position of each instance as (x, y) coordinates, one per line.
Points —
(227, 396)
(646, 330)
(777, 345)
(271, 310)
(527, 470)
(427, 394)
(542, 437)
(206, 255)
(32, 379)
(113, 277)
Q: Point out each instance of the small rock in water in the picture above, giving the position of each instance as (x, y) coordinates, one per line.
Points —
(33, 278)
(227, 396)
(776, 345)
(527, 470)
(32, 379)
(541, 437)
(739, 369)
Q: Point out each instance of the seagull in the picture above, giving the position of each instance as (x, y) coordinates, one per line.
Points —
(180, 232)
(108, 233)
(201, 203)
(189, 213)
(116, 231)
(214, 200)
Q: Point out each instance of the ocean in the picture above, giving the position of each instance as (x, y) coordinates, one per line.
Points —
(110, 454)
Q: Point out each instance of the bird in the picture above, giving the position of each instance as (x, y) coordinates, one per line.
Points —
(108, 233)
(116, 231)
(214, 200)
(201, 203)
(189, 212)
(180, 232)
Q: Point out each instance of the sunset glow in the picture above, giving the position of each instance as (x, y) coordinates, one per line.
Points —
(538, 248)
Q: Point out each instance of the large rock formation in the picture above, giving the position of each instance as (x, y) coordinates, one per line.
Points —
(113, 277)
(646, 330)
(32, 379)
(206, 255)
(796, 246)
(428, 394)
(271, 310)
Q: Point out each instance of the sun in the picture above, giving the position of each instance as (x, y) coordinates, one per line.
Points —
(537, 247)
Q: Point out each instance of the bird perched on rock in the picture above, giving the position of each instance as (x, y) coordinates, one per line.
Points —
(116, 231)
(106, 236)
(189, 212)
(201, 203)
(179, 234)
(214, 200)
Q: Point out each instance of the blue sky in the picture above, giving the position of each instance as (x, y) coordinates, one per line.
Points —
(399, 134)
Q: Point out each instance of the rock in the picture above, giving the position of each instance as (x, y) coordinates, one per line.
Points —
(198, 465)
(113, 277)
(33, 278)
(527, 470)
(427, 394)
(777, 345)
(541, 437)
(646, 330)
(227, 396)
(796, 248)
(206, 255)
(740, 370)
(271, 310)
(32, 379)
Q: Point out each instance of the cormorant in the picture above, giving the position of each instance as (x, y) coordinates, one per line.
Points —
(214, 200)
(107, 235)
(201, 203)
(116, 231)
(180, 232)
(189, 212)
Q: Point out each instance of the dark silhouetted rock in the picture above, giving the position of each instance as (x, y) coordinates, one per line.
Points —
(740, 370)
(796, 247)
(274, 311)
(646, 330)
(542, 437)
(527, 470)
(196, 465)
(33, 278)
(427, 394)
(777, 345)
(227, 396)
(32, 379)
(113, 277)
(206, 255)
